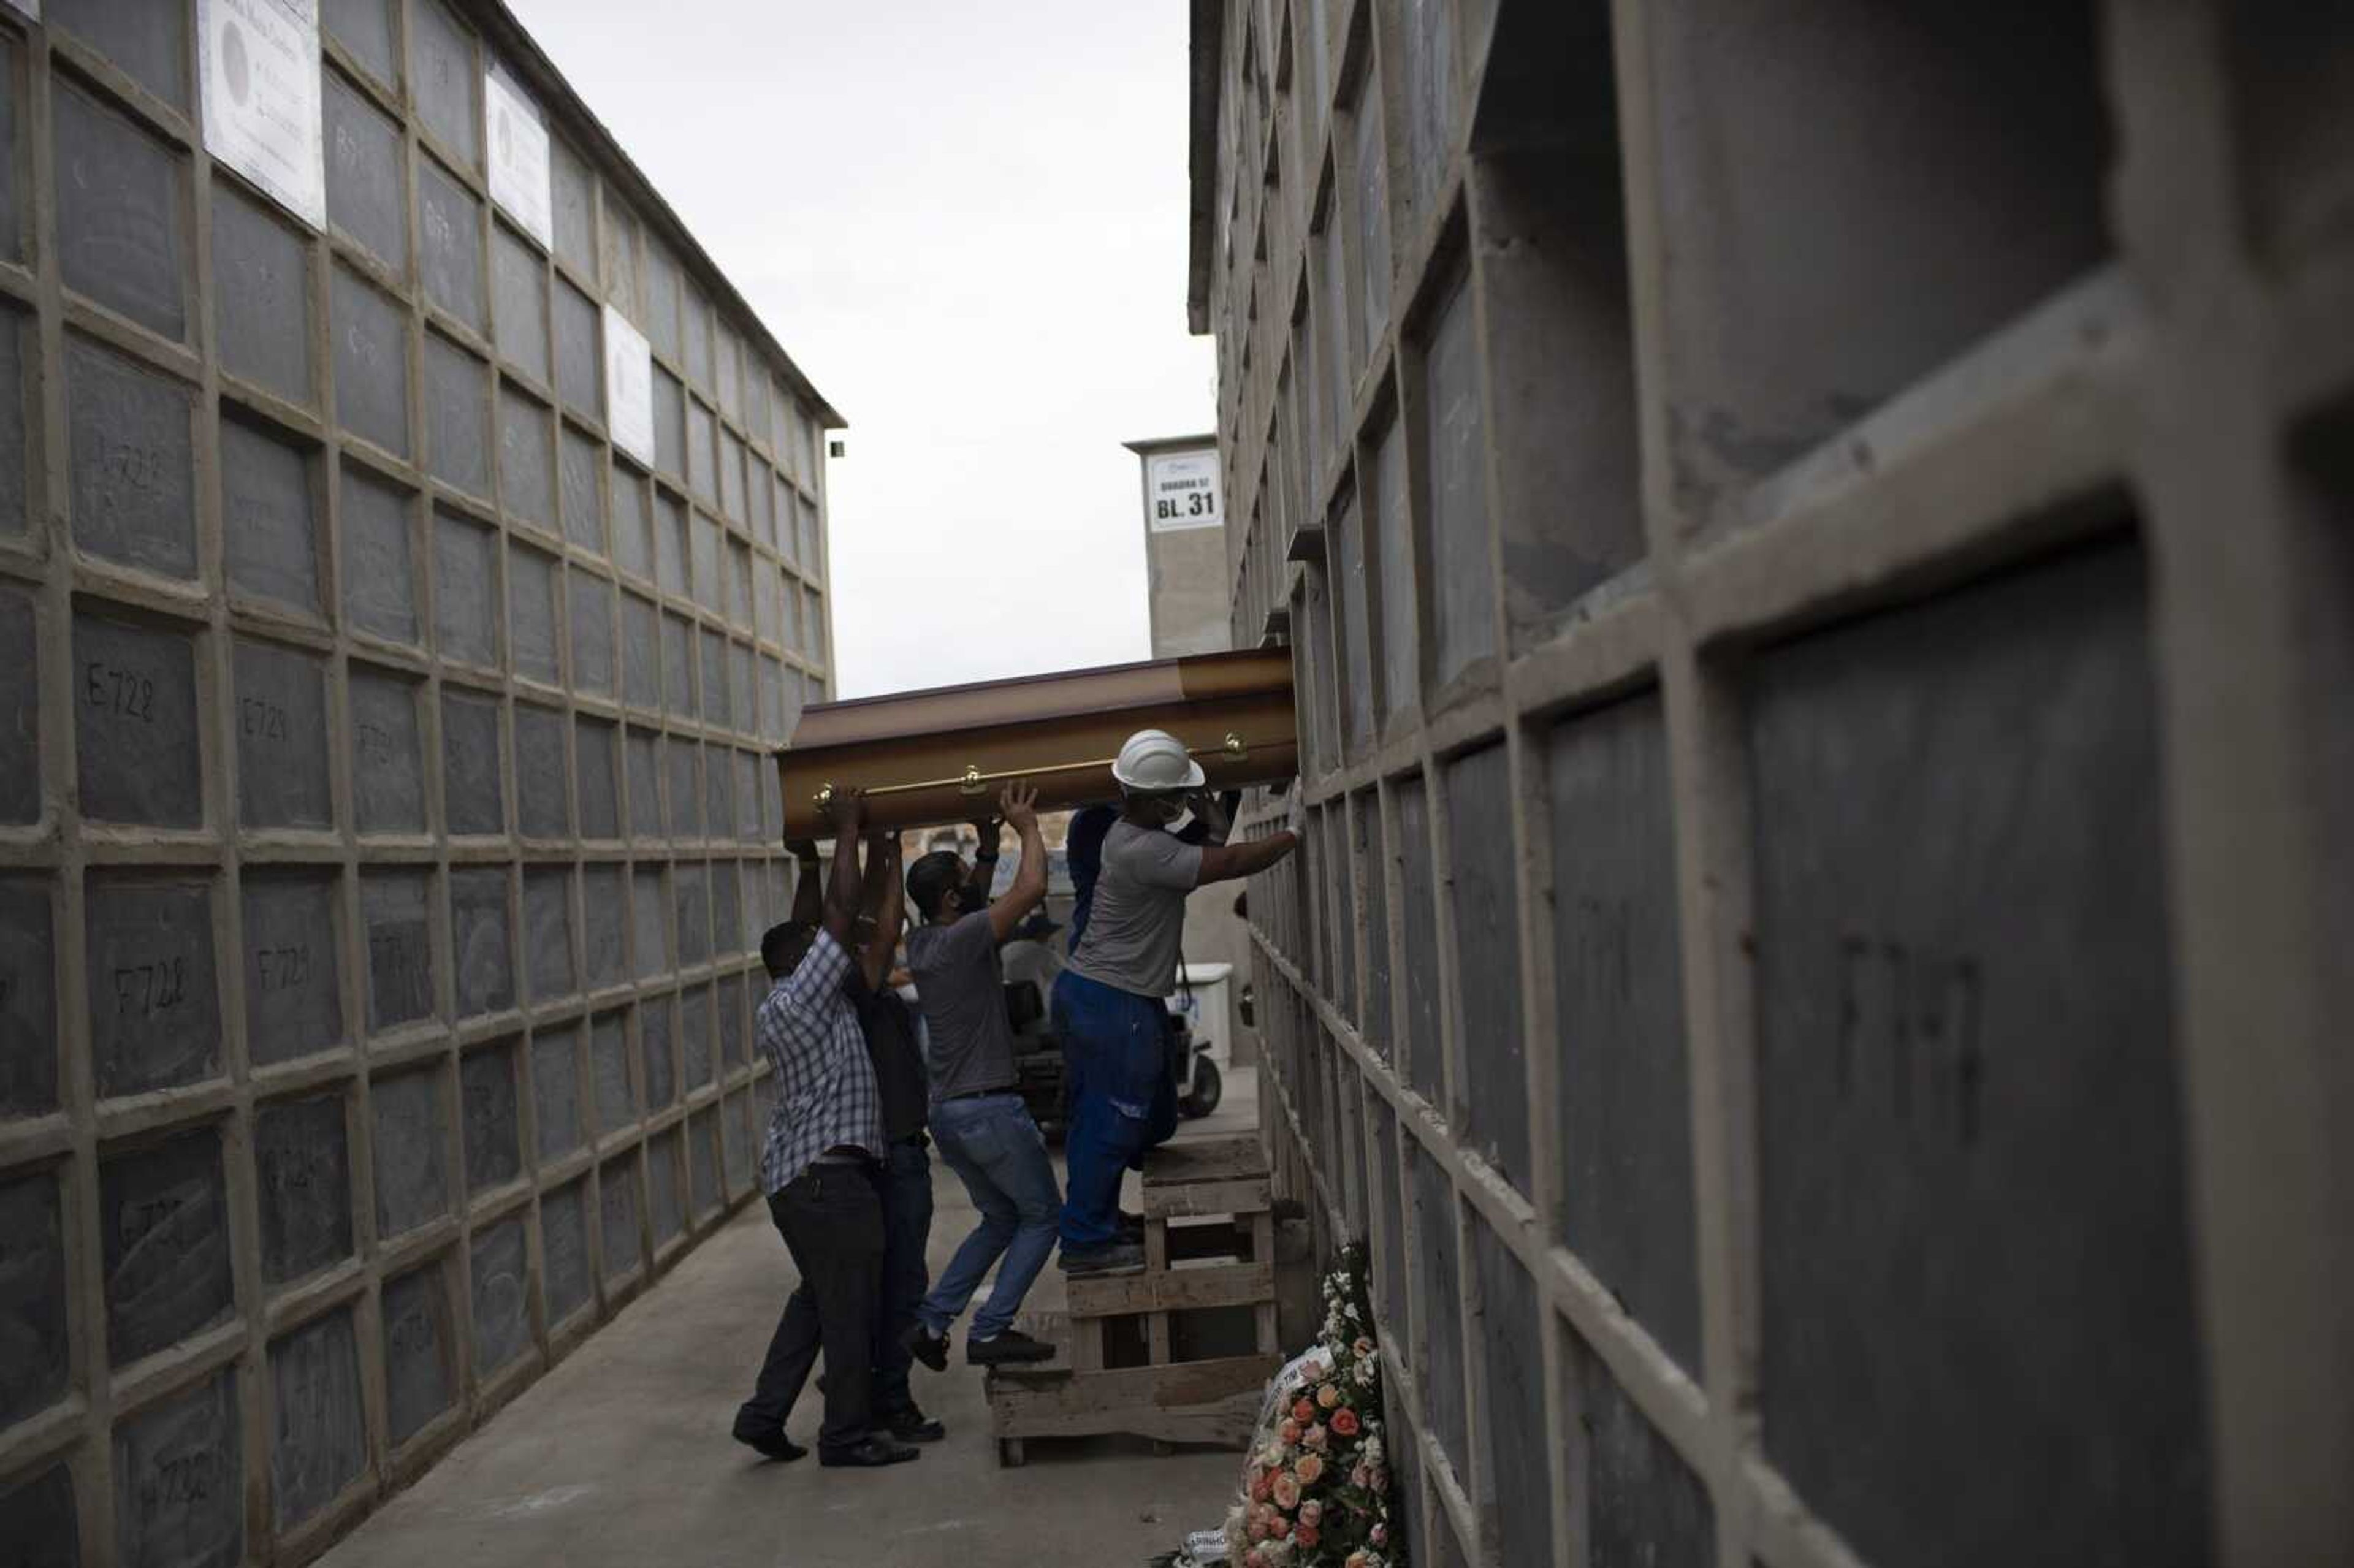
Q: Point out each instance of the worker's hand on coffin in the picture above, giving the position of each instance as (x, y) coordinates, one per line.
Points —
(1019, 802)
(846, 811)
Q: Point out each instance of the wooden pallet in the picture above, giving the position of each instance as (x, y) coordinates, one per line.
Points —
(1126, 1362)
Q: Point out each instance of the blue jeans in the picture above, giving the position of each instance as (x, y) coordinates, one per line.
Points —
(1122, 1101)
(997, 1152)
(904, 1182)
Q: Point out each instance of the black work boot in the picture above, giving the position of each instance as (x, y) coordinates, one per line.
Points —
(869, 1453)
(909, 1424)
(770, 1443)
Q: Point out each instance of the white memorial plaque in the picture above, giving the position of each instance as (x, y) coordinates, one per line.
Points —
(521, 181)
(1181, 490)
(259, 61)
(629, 387)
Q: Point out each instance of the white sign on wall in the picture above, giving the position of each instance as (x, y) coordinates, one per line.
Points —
(629, 387)
(260, 63)
(521, 180)
(1181, 490)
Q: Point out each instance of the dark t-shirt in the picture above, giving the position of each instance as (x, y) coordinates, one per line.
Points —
(890, 1031)
(961, 988)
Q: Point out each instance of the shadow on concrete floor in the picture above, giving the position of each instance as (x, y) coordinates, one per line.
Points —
(619, 1457)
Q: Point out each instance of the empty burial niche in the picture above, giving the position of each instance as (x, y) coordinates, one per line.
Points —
(1452, 499)
(281, 738)
(570, 1278)
(165, 1242)
(395, 919)
(137, 750)
(1820, 272)
(318, 1442)
(1959, 871)
(472, 792)
(1641, 1502)
(388, 752)
(303, 1185)
(293, 1002)
(179, 1469)
(154, 1001)
(269, 510)
(420, 1356)
(37, 1369)
(411, 1150)
(28, 1018)
(482, 943)
(1623, 1115)
(1549, 249)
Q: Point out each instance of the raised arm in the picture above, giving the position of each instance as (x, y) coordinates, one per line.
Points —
(1020, 804)
(1224, 862)
(809, 884)
(844, 888)
(885, 906)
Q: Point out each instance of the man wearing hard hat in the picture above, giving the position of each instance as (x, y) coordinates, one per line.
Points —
(1110, 1001)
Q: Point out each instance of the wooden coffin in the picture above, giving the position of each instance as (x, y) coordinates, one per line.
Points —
(941, 756)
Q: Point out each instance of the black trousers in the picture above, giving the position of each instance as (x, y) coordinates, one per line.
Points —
(832, 1224)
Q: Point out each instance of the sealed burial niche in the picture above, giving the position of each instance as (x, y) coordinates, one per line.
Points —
(334, 626)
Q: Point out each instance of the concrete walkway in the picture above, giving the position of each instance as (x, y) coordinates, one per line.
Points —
(621, 1457)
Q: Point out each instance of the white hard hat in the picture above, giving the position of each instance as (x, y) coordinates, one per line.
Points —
(1153, 759)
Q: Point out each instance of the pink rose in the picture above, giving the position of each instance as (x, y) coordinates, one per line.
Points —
(1256, 1532)
(1311, 1512)
(1359, 1477)
(1328, 1396)
(1287, 1491)
(1306, 1536)
(1257, 1558)
(1289, 1431)
(1344, 1422)
(1311, 1470)
(1279, 1527)
(1304, 1412)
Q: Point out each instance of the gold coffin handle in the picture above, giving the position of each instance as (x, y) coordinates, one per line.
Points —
(973, 781)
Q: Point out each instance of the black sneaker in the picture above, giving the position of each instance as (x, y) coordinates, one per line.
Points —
(1131, 1227)
(1107, 1257)
(910, 1424)
(770, 1444)
(926, 1346)
(871, 1453)
(1010, 1346)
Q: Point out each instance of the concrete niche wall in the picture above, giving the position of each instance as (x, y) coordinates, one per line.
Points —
(1816, 538)
(385, 808)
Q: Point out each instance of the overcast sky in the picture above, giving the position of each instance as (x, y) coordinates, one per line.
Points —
(967, 223)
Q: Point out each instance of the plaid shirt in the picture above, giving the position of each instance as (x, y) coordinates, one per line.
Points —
(826, 1096)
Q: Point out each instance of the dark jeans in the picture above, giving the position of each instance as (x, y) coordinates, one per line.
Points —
(997, 1151)
(904, 1184)
(832, 1224)
(1122, 1101)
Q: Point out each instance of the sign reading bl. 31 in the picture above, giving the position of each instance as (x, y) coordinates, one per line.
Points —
(1181, 491)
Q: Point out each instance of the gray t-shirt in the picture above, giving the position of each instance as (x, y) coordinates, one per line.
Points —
(1139, 921)
(960, 989)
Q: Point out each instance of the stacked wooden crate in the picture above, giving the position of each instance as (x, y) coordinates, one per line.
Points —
(1178, 1351)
